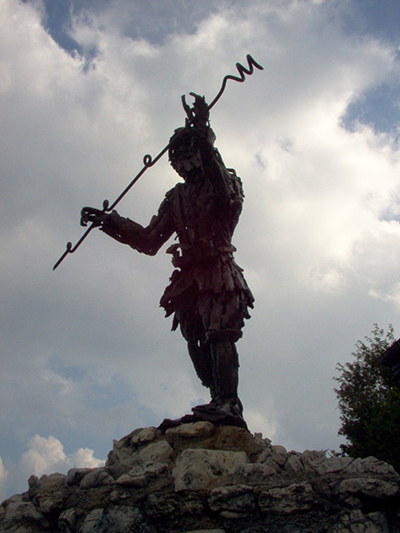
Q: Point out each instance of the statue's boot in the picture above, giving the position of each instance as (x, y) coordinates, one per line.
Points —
(217, 365)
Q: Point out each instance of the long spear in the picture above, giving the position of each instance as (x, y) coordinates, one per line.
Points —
(148, 161)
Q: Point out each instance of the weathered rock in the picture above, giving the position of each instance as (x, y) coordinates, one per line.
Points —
(144, 435)
(200, 478)
(121, 460)
(295, 498)
(192, 430)
(205, 469)
(141, 475)
(75, 475)
(159, 506)
(115, 520)
(97, 478)
(252, 474)
(273, 456)
(312, 459)
(67, 520)
(158, 452)
(355, 521)
(334, 465)
(370, 465)
(368, 487)
(47, 492)
(294, 463)
(233, 502)
(22, 516)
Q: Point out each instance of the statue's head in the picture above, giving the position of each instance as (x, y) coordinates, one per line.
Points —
(183, 153)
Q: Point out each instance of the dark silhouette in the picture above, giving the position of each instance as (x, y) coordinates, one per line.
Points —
(207, 295)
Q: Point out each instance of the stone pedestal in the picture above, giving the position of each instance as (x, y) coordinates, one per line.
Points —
(199, 477)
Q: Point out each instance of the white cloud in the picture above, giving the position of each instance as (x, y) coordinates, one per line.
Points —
(46, 455)
(43, 456)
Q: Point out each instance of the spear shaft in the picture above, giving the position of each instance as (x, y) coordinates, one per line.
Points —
(148, 161)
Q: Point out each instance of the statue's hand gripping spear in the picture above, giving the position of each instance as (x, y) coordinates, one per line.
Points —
(148, 161)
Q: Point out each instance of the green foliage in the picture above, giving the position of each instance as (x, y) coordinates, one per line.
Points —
(369, 401)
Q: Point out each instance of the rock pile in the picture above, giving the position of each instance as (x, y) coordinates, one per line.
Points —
(206, 478)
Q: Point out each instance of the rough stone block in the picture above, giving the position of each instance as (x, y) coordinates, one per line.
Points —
(67, 520)
(47, 492)
(334, 465)
(273, 456)
(20, 512)
(96, 478)
(312, 459)
(114, 520)
(163, 505)
(140, 476)
(144, 435)
(238, 499)
(75, 475)
(371, 487)
(294, 463)
(279, 454)
(192, 430)
(370, 465)
(252, 473)
(157, 452)
(199, 469)
(357, 522)
(286, 500)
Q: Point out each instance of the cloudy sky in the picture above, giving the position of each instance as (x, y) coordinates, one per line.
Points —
(90, 86)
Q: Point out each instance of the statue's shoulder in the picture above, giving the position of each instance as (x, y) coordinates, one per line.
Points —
(172, 194)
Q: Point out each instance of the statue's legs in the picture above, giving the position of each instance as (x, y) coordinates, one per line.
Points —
(217, 365)
(201, 357)
(225, 371)
(211, 329)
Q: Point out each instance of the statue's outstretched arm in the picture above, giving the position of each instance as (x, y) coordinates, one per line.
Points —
(147, 240)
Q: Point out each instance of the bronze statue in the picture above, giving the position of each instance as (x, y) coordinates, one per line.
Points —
(207, 295)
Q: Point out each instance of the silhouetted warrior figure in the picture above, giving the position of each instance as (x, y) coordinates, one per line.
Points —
(207, 294)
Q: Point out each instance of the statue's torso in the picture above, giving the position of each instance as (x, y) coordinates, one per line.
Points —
(202, 215)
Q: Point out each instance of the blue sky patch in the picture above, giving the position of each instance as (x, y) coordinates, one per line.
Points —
(379, 108)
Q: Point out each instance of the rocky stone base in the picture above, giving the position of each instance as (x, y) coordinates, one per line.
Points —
(199, 477)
